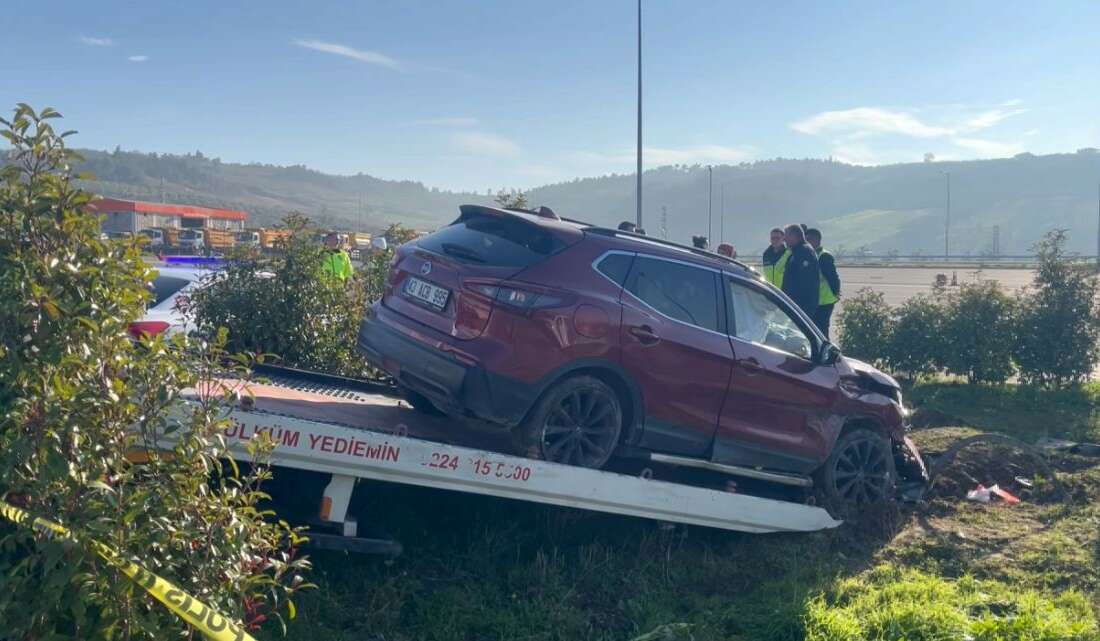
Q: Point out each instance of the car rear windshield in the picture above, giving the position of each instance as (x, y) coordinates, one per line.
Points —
(501, 241)
(166, 286)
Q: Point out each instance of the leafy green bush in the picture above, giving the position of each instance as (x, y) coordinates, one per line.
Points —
(865, 325)
(284, 305)
(77, 395)
(890, 604)
(915, 346)
(1059, 320)
(979, 332)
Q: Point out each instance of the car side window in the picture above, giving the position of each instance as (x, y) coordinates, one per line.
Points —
(615, 267)
(679, 291)
(756, 318)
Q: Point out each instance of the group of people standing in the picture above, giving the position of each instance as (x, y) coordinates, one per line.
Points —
(796, 262)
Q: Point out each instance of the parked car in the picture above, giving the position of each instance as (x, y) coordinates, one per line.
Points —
(586, 342)
(171, 289)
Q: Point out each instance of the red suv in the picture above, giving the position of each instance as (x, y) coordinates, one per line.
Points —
(587, 342)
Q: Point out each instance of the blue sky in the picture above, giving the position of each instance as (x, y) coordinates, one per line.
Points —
(480, 95)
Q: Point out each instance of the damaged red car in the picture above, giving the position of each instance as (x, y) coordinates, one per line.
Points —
(588, 343)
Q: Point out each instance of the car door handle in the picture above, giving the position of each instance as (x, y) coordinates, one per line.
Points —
(644, 334)
(751, 365)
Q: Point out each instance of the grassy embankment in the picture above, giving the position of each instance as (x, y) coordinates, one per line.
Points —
(478, 568)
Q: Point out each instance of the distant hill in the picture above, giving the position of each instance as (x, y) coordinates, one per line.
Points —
(268, 192)
(884, 208)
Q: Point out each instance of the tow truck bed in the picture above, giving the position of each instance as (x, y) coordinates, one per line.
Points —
(326, 426)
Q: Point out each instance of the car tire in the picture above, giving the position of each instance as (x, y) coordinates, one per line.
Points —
(859, 473)
(576, 422)
(419, 402)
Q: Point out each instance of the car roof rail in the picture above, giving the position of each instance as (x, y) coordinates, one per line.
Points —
(607, 231)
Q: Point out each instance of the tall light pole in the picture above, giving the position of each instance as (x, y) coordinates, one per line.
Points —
(722, 214)
(947, 218)
(639, 178)
(710, 203)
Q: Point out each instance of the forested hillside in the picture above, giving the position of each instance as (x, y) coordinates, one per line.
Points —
(883, 208)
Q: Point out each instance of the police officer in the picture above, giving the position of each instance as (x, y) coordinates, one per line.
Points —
(829, 286)
(800, 274)
(775, 258)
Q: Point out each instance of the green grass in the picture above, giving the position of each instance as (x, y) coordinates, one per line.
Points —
(1025, 412)
(483, 568)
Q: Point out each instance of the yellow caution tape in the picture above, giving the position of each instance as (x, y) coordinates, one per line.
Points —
(210, 623)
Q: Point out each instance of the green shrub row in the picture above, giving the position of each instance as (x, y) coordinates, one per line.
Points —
(1047, 334)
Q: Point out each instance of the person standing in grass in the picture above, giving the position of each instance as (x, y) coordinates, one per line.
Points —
(775, 258)
(829, 285)
(337, 262)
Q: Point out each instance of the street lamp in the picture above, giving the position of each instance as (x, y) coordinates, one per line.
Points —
(710, 203)
(947, 218)
(639, 178)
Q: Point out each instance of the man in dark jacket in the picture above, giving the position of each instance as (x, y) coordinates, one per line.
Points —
(801, 276)
(829, 288)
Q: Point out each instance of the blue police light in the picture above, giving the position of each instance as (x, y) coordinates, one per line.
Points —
(197, 261)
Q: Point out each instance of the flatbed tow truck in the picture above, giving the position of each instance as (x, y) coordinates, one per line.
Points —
(352, 430)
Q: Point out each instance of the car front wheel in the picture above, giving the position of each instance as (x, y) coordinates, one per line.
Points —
(576, 422)
(859, 472)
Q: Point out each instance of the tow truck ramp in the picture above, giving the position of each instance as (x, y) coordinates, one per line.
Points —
(323, 425)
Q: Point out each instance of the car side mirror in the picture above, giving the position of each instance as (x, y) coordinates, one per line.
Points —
(830, 354)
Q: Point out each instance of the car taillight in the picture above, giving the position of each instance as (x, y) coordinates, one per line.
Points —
(515, 296)
(139, 329)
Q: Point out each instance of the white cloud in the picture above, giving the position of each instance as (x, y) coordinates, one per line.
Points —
(987, 119)
(868, 119)
(96, 42)
(484, 144)
(989, 148)
(454, 121)
(857, 135)
(138, 58)
(369, 57)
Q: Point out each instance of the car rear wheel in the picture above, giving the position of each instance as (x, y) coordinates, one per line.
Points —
(576, 422)
(859, 472)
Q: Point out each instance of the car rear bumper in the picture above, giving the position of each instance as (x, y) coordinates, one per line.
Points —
(456, 387)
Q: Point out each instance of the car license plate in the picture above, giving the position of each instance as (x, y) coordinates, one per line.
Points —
(427, 293)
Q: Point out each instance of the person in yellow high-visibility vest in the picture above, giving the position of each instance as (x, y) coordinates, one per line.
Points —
(775, 258)
(337, 262)
(829, 287)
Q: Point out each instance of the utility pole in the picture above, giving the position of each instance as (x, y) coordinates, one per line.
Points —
(664, 222)
(1098, 225)
(710, 203)
(722, 214)
(639, 178)
(996, 240)
(947, 218)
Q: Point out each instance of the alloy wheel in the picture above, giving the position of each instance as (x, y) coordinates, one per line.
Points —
(581, 428)
(863, 474)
